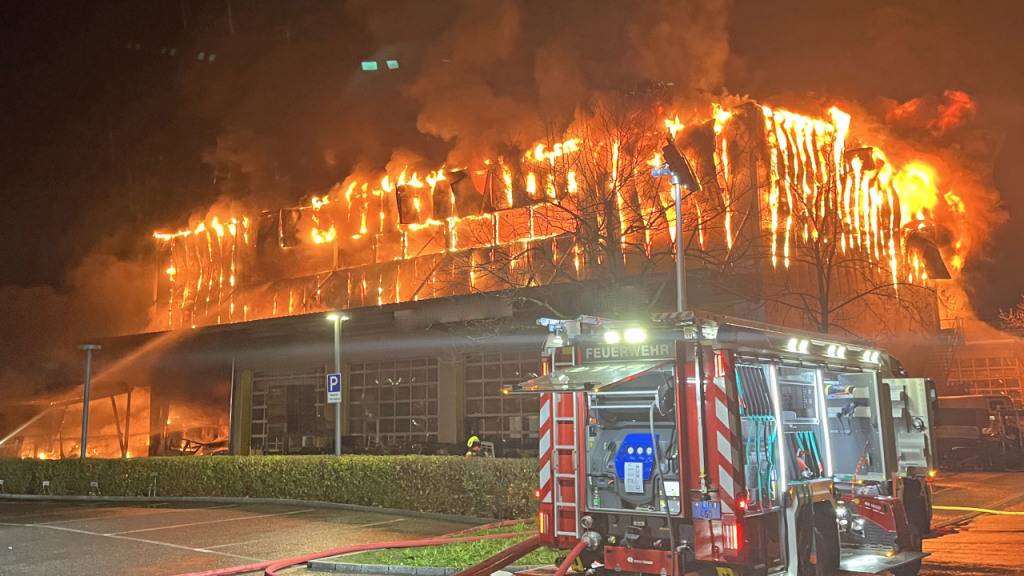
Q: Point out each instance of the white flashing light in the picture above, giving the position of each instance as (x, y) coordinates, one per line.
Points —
(634, 335)
(871, 356)
(837, 351)
(798, 345)
(612, 337)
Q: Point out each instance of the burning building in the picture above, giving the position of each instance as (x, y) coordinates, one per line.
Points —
(445, 269)
(779, 192)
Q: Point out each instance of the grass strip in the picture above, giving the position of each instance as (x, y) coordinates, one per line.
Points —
(456, 555)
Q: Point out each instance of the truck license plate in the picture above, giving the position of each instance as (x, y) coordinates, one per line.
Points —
(707, 510)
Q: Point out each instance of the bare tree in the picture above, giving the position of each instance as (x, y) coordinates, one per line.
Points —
(594, 211)
(813, 266)
(839, 268)
(1013, 319)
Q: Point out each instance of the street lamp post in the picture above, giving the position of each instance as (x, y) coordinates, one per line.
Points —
(678, 168)
(337, 318)
(87, 382)
(680, 247)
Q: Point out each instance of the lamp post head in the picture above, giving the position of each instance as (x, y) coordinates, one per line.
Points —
(88, 347)
(337, 317)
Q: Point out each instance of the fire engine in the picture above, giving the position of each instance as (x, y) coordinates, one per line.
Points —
(704, 444)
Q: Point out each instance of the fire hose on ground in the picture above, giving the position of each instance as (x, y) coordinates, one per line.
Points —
(980, 510)
(510, 555)
(502, 559)
(272, 567)
(573, 554)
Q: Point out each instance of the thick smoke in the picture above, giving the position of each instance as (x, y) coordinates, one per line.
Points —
(105, 295)
(476, 80)
(507, 74)
(481, 79)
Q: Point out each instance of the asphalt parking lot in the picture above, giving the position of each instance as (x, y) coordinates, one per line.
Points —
(38, 537)
(977, 545)
(163, 539)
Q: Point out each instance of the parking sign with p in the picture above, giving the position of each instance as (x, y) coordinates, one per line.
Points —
(334, 388)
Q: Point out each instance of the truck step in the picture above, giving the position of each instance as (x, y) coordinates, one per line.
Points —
(869, 562)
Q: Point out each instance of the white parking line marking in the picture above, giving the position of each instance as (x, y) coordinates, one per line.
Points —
(395, 521)
(231, 544)
(131, 539)
(180, 547)
(188, 524)
(62, 529)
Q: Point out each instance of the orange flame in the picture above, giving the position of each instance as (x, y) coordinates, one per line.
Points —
(811, 174)
(673, 125)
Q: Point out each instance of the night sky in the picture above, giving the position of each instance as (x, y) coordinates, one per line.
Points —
(114, 125)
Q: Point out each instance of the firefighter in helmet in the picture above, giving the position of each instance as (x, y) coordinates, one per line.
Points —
(475, 448)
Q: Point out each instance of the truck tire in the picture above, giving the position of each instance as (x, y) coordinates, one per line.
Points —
(817, 541)
(913, 543)
(916, 505)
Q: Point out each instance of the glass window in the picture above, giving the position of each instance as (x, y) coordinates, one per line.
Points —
(511, 370)
(390, 398)
(492, 372)
(289, 412)
(493, 415)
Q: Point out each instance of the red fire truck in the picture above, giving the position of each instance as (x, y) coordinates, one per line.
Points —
(703, 444)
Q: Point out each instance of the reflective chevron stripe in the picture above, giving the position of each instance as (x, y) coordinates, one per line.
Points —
(545, 448)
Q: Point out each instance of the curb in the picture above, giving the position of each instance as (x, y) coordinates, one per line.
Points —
(323, 566)
(384, 570)
(243, 501)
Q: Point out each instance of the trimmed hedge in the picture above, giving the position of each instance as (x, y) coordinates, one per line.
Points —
(483, 487)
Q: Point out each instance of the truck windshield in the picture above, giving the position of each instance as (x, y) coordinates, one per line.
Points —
(963, 417)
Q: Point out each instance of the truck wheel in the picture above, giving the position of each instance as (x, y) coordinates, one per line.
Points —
(913, 543)
(817, 541)
(916, 505)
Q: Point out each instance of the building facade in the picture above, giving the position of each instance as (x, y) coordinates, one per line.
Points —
(987, 361)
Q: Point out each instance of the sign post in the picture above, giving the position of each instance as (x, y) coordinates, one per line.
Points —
(334, 379)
